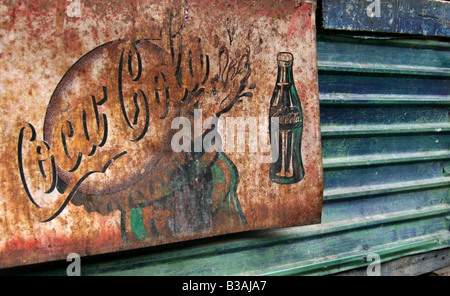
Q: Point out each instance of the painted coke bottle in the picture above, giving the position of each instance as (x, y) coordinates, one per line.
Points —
(286, 142)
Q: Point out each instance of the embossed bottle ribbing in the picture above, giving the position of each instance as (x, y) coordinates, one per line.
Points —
(285, 105)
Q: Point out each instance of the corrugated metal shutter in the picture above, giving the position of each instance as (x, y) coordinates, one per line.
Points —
(386, 146)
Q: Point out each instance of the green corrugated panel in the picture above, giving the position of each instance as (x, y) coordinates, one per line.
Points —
(386, 147)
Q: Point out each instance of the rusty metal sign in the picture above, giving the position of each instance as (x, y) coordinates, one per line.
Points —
(135, 123)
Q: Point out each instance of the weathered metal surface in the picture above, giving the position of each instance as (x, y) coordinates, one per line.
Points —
(378, 217)
(422, 17)
(89, 95)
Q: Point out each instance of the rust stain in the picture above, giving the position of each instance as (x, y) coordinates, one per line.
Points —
(88, 103)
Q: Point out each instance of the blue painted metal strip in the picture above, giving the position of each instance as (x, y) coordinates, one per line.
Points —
(424, 17)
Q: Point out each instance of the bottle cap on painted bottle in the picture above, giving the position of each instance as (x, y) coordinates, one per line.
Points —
(285, 59)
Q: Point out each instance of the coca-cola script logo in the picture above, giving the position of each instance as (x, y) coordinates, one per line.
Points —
(107, 130)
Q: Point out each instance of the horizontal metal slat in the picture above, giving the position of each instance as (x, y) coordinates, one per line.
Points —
(381, 84)
(383, 129)
(382, 68)
(369, 115)
(358, 191)
(341, 146)
(374, 159)
(382, 99)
